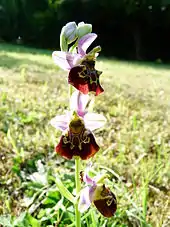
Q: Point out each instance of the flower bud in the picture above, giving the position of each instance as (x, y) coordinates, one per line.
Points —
(68, 35)
(83, 29)
(63, 43)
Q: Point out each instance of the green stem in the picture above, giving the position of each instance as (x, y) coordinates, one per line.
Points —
(77, 178)
(78, 187)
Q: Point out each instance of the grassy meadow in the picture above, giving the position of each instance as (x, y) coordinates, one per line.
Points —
(135, 142)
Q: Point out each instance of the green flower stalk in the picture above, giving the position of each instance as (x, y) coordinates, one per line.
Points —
(78, 188)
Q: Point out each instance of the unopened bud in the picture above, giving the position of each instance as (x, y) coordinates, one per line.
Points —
(68, 35)
(83, 29)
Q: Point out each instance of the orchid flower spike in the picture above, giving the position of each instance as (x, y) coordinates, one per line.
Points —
(77, 126)
(81, 65)
(96, 192)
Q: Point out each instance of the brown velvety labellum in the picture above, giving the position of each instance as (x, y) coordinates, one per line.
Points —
(83, 145)
(107, 207)
(86, 78)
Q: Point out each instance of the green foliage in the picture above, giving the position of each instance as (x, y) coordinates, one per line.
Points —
(24, 220)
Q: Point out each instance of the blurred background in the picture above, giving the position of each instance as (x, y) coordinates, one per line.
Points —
(127, 29)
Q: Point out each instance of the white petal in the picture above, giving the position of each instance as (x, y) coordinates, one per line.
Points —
(60, 122)
(85, 42)
(65, 60)
(84, 202)
(94, 121)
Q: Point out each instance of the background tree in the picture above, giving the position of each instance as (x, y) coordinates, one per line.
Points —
(134, 29)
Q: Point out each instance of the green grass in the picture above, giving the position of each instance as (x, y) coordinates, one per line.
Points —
(135, 142)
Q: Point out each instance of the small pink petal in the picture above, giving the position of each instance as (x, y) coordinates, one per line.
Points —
(78, 102)
(94, 121)
(84, 202)
(92, 192)
(87, 179)
(60, 122)
(65, 60)
(85, 42)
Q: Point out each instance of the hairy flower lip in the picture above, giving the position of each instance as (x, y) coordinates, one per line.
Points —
(107, 207)
(85, 78)
(85, 148)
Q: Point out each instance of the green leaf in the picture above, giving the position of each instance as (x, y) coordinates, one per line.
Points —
(54, 194)
(25, 220)
(49, 201)
(34, 222)
(41, 213)
(64, 191)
